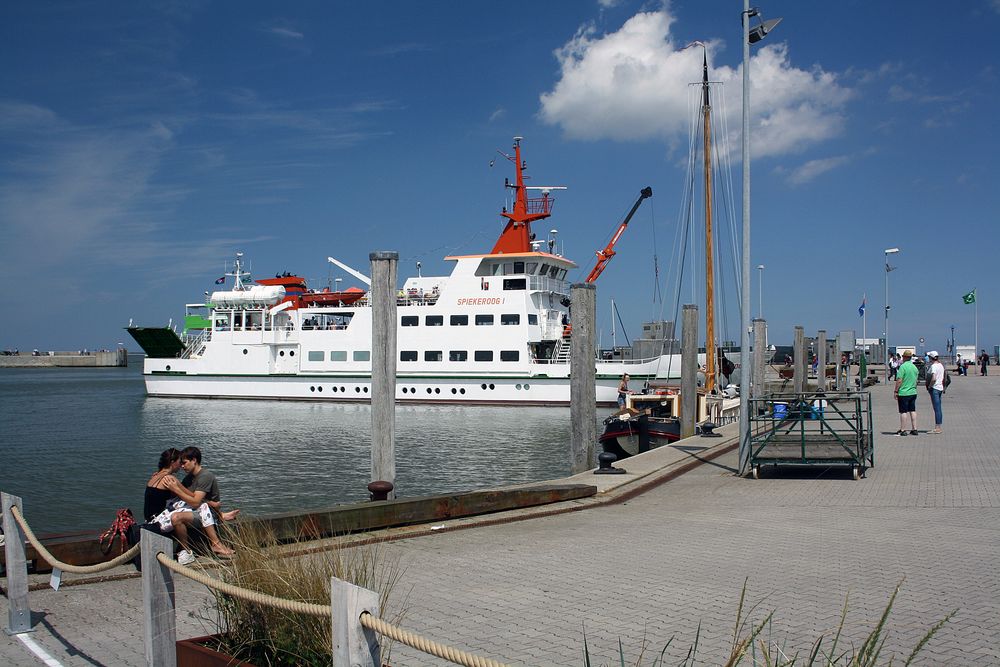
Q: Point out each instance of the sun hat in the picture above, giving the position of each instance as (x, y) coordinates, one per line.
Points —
(907, 353)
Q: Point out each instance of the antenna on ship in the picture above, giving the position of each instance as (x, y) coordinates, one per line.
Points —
(238, 274)
(516, 236)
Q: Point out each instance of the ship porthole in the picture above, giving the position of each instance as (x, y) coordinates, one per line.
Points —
(492, 387)
(366, 390)
(454, 391)
(526, 386)
(292, 353)
(321, 390)
(437, 390)
(413, 390)
(518, 387)
(168, 368)
(313, 388)
(334, 389)
(461, 391)
(281, 354)
(246, 351)
(405, 390)
(428, 390)
(342, 388)
(483, 385)
(357, 390)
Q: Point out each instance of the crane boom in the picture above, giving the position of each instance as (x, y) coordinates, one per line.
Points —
(604, 256)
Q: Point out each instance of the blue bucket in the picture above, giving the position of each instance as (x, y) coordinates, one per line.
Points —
(780, 410)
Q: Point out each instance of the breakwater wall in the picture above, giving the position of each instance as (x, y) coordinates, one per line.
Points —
(104, 358)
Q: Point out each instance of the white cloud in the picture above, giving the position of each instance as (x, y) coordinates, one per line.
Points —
(286, 32)
(499, 113)
(632, 85)
(813, 168)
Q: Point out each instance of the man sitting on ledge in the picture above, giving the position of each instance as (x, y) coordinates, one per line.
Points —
(204, 486)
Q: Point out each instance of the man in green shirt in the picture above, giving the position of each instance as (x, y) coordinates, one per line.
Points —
(906, 395)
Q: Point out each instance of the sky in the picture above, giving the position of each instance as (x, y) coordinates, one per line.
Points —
(143, 144)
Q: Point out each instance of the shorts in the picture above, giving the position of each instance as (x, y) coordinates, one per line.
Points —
(907, 403)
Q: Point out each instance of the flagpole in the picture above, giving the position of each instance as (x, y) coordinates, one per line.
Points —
(864, 326)
(975, 298)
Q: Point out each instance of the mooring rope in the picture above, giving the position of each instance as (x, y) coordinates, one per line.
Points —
(426, 645)
(67, 567)
(386, 629)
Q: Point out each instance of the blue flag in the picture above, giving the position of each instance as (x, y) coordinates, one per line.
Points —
(861, 309)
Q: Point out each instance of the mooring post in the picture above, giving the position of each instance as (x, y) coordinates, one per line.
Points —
(18, 611)
(583, 380)
(158, 610)
(689, 369)
(759, 355)
(799, 354)
(383, 305)
(821, 360)
(353, 644)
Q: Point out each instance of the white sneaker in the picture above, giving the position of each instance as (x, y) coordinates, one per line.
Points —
(185, 557)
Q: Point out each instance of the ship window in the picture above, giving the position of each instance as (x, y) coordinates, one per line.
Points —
(458, 355)
(532, 319)
(497, 268)
(484, 355)
(508, 268)
(545, 270)
(562, 274)
(362, 355)
(530, 267)
(434, 320)
(433, 355)
(554, 271)
(338, 355)
(408, 355)
(518, 267)
(514, 283)
(510, 318)
(509, 355)
(459, 320)
(484, 320)
(316, 355)
(409, 320)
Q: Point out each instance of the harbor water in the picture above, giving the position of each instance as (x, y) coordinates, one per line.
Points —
(79, 443)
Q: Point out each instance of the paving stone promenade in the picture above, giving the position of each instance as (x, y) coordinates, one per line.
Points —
(658, 565)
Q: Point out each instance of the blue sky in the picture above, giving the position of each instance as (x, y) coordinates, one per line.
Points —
(143, 144)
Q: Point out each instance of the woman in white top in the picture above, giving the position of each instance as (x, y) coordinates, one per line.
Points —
(936, 388)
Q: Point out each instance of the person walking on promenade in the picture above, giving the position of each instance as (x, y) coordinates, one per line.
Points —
(984, 361)
(893, 365)
(935, 385)
(906, 395)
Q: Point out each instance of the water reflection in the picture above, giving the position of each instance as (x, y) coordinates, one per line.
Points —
(79, 443)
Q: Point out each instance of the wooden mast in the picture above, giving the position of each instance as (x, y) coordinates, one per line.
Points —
(706, 109)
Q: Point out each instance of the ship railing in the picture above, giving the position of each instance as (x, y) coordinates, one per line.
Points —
(195, 343)
(416, 298)
(546, 284)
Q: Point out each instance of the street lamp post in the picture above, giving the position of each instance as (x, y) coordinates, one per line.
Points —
(750, 36)
(760, 286)
(885, 328)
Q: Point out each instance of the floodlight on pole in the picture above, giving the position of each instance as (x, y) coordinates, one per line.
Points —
(760, 286)
(750, 36)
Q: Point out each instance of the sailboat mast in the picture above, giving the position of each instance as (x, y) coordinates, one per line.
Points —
(706, 109)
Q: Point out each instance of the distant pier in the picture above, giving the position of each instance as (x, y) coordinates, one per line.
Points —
(52, 359)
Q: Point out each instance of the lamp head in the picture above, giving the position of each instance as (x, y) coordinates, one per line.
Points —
(758, 32)
(891, 251)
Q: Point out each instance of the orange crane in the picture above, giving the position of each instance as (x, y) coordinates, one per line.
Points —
(604, 256)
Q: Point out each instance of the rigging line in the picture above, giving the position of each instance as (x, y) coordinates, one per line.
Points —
(622, 324)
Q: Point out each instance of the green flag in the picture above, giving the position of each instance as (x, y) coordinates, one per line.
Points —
(969, 298)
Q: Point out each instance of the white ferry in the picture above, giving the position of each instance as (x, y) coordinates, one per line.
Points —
(494, 331)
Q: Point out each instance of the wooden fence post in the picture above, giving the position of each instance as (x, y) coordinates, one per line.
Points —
(689, 369)
(821, 360)
(759, 355)
(18, 611)
(383, 304)
(582, 378)
(158, 610)
(353, 644)
(799, 357)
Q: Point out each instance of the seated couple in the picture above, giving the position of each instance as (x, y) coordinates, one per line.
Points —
(173, 506)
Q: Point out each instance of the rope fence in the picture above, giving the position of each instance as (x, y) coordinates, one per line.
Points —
(156, 601)
(67, 567)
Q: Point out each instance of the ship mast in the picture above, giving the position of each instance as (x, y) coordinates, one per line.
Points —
(706, 109)
(516, 236)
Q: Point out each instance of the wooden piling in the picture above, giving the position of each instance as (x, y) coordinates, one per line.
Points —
(759, 355)
(159, 611)
(821, 360)
(18, 611)
(582, 371)
(689, 369)
(383, 304)
(799, 354)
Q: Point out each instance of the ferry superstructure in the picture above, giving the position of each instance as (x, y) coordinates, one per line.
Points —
(495, 331)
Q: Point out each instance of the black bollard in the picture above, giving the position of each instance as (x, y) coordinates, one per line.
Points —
(606, 462)
(708, 430)
(643, 427)
(380, 490)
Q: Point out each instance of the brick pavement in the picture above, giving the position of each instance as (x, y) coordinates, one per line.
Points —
(660, 564)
